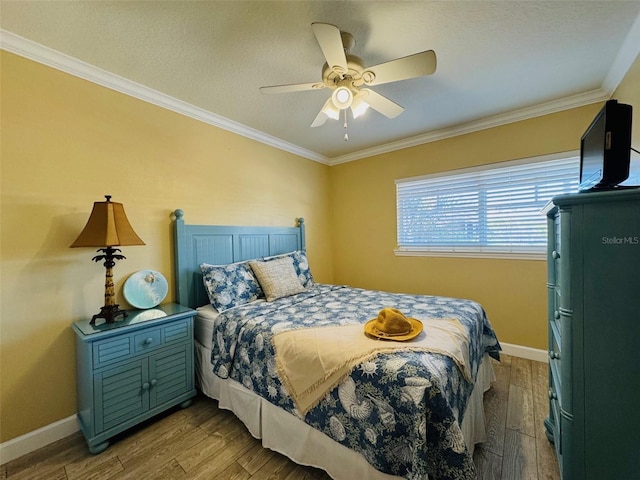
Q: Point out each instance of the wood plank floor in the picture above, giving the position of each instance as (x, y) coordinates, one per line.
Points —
(204, 442)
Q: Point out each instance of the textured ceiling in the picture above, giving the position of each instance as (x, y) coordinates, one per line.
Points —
(494, 58)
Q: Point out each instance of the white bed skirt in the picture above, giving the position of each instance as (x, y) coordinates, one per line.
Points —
(287, 434)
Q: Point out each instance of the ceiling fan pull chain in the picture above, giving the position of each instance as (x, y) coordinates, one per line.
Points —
(346, 134)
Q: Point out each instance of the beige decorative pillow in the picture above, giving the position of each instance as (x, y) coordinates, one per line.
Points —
(277, 278)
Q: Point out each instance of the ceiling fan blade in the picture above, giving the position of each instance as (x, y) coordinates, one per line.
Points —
(413, 66)
(294, 87)
(382, 104)
(330, 42)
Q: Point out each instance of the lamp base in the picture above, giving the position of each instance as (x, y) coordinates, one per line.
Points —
(109, 313)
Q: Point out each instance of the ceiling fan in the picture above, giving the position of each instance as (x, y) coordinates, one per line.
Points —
(347, 76)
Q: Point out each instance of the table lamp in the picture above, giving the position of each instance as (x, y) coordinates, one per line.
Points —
(108, 227)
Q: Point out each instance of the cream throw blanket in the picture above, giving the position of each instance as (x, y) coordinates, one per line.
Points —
(312, 361)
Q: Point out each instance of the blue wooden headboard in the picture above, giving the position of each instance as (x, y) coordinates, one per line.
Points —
(219, 245)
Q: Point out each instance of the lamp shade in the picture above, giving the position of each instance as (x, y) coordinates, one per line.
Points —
(107, 226)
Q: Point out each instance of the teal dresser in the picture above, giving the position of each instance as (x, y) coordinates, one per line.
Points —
(132, 369)
(593, 285)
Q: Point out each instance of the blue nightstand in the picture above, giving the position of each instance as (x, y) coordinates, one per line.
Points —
(133, 369)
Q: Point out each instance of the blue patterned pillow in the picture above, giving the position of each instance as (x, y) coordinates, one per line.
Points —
(301, 266)
(230, 285)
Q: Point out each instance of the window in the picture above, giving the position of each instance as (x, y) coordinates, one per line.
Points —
(491, 211)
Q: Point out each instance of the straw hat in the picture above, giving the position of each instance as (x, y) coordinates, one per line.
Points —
(391, 324)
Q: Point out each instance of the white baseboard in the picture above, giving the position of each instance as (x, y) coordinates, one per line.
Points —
(48, 434)
(32, 441)
(525, 352)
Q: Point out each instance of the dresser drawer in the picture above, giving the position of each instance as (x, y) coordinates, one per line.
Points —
(555, 321)
(112, 350)
(557, 238)
(555, 349)
(555, 388)
(555, 246)
(555, 402)
(554, 258)
(557, 425)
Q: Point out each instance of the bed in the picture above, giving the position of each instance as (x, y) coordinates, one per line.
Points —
(412, 410)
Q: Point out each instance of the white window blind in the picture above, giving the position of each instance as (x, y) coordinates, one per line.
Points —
(493, 211)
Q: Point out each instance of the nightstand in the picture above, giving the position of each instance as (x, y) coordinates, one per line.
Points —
(132, 369)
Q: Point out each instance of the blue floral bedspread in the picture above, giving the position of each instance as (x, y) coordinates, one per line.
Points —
(401, 411)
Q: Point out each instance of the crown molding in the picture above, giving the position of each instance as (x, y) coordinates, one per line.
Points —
(626, 56)
(574, 101)
(38, 53)
(33, 51)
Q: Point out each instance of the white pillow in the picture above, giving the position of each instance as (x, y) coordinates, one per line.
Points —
(300, 264)
(277, 278)
(203, 324)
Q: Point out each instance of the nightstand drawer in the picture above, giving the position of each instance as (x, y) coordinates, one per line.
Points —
(113, 350)
(152, 338)
(177, 331)
(147, 340)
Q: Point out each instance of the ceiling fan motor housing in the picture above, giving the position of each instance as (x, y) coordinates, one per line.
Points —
(355, 67)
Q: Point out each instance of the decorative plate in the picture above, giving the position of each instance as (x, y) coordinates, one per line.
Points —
(145, 289)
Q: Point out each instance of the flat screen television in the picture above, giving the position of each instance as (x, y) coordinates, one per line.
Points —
(605, 148)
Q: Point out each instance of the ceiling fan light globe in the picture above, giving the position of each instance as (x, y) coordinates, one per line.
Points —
(331, 111)
(333, 114)
(342, 95)
(358, 107)
(342, 98)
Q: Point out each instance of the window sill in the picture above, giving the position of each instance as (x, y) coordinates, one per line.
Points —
(468, 253)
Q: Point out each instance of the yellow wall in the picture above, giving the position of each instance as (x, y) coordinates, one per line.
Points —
(629, 92)
(67, 142)
(513, 292)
